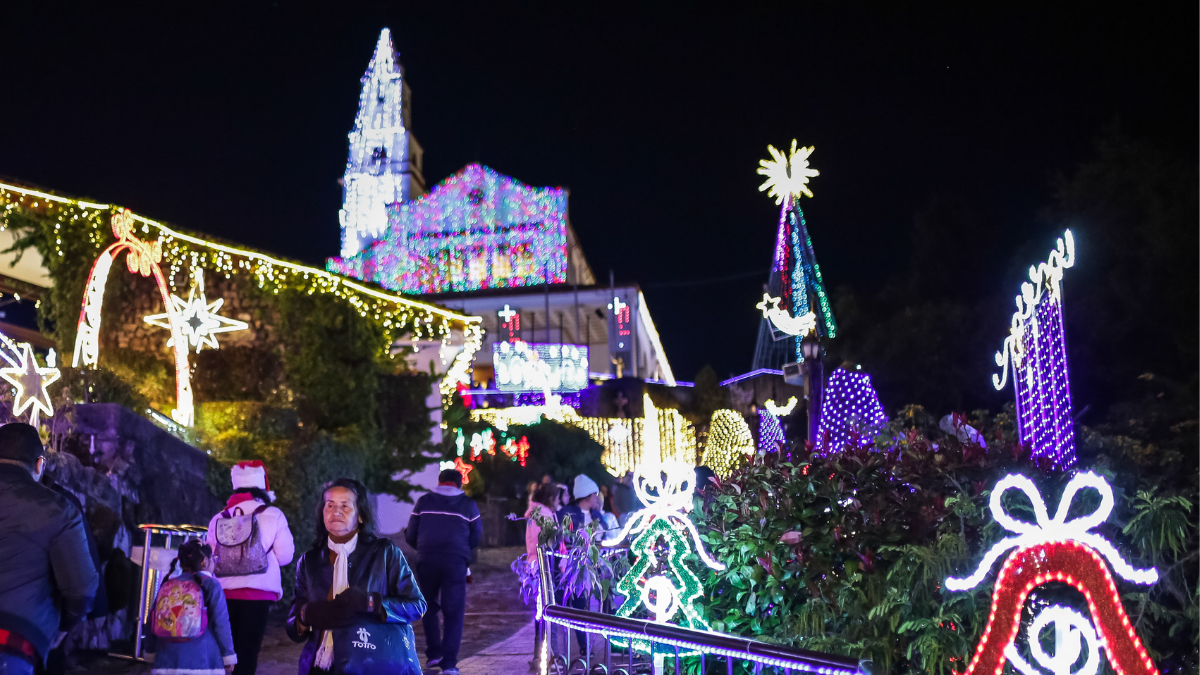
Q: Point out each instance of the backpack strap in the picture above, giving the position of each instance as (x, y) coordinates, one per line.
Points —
(260, 509)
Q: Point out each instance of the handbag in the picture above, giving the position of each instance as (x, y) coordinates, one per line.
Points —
(376, 648)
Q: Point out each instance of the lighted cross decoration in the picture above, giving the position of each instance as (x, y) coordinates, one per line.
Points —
(30, 381)
(507, 314)
(1057, 549)
(199, 317)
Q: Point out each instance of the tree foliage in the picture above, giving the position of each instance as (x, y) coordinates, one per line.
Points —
(848, 554)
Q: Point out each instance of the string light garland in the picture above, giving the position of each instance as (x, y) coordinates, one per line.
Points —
(850, 412)
(729, 442)
(1036, 350)
(666, 588)
(397, 315)
(476, 229)
(200, 319)
(1061, 550)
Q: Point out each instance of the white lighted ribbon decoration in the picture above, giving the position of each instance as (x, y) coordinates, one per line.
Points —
(784, 322)
(780, 410)
(1071, 633)
(1058, 528)
(672, 497)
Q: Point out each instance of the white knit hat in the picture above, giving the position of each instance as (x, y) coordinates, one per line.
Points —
(584, 486)
(250, 474)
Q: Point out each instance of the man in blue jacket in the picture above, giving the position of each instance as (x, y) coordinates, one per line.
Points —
(444, 527)
(47, 579)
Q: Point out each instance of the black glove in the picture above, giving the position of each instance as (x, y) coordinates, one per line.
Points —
(358, 601)
(327, 615)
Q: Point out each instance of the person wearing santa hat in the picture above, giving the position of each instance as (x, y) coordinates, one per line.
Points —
(250, 597)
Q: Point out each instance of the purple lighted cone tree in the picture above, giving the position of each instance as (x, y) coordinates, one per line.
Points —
(850, 413)
(1036, 348)
(770, 432)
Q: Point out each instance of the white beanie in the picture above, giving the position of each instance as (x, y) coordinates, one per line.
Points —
(584, 486)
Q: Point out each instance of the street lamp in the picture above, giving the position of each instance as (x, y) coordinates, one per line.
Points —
(811, 348)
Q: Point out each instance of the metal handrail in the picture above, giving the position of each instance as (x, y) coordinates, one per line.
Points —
(721, 644)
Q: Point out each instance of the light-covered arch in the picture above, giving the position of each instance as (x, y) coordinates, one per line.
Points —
(141, 258)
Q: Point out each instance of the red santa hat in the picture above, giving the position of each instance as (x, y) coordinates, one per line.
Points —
(250, 474)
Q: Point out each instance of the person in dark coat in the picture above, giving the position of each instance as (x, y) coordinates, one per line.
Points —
(444, 527)
(47, 579)
(355, 598)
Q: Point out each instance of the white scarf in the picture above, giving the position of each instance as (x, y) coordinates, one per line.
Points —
(341, 581)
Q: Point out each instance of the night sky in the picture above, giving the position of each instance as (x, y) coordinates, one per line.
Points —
(231, 119)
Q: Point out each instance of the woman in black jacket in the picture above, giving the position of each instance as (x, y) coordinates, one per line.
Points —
(355, 596)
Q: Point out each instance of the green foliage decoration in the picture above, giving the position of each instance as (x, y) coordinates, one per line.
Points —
(847, 554)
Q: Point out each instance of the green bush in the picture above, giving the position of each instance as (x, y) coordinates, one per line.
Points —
(847, 554)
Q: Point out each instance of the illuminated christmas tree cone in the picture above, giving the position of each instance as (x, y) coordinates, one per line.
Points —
(668, 588)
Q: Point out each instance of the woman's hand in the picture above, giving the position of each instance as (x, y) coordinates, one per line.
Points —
(229, 669)
(358, 601)
(327, 615)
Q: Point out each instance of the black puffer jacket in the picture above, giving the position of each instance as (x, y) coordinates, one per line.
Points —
(376, 566)
(44, 560)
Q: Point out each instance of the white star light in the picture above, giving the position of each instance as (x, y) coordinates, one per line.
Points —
(31, 382)
(787, 175)
(199, 317)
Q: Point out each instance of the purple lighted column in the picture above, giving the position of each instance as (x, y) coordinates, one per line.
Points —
(1043, 389)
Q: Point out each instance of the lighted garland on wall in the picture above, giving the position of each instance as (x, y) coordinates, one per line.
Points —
(397, 315)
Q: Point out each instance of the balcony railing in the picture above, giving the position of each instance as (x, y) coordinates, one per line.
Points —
(635, 646)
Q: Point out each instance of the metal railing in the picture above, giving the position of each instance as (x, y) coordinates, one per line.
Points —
(635, 646)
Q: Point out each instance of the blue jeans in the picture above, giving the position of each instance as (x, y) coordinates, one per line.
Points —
(14, 665)
(443, 582)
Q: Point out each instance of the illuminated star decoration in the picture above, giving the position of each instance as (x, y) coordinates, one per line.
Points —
(787, 175)
(199, 317)
(30, 382)
(784, 322)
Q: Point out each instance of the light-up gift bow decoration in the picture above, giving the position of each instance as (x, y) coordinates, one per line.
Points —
(666, 490)
(1056, 549)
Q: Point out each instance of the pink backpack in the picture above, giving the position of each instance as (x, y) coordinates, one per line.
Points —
(179, 611)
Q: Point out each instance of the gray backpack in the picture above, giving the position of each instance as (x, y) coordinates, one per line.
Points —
(240, 551)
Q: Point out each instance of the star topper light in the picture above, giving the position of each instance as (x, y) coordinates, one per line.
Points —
(787, 174)
(200, 318)
(30, 381)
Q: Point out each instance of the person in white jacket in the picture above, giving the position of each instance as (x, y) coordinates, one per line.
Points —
(250, 597)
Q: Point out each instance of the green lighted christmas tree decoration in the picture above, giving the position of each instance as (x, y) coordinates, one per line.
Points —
(667, 588)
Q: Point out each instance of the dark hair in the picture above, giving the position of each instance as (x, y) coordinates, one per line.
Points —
(362, 503)
(258, 493)
(20, 442)
(191, 556)
(546, 494)
(450, 476)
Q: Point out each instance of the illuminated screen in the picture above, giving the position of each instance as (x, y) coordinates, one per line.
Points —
(522, 366)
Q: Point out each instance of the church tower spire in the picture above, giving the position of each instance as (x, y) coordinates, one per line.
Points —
(385, 160)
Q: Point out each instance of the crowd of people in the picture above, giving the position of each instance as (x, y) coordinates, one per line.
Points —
(355, 596)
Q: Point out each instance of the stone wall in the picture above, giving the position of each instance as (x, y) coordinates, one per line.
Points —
(128, 298)
(127, 471)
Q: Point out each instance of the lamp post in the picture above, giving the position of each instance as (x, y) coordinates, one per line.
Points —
(811, 348)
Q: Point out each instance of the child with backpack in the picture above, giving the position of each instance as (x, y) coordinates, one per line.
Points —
(190, 620)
